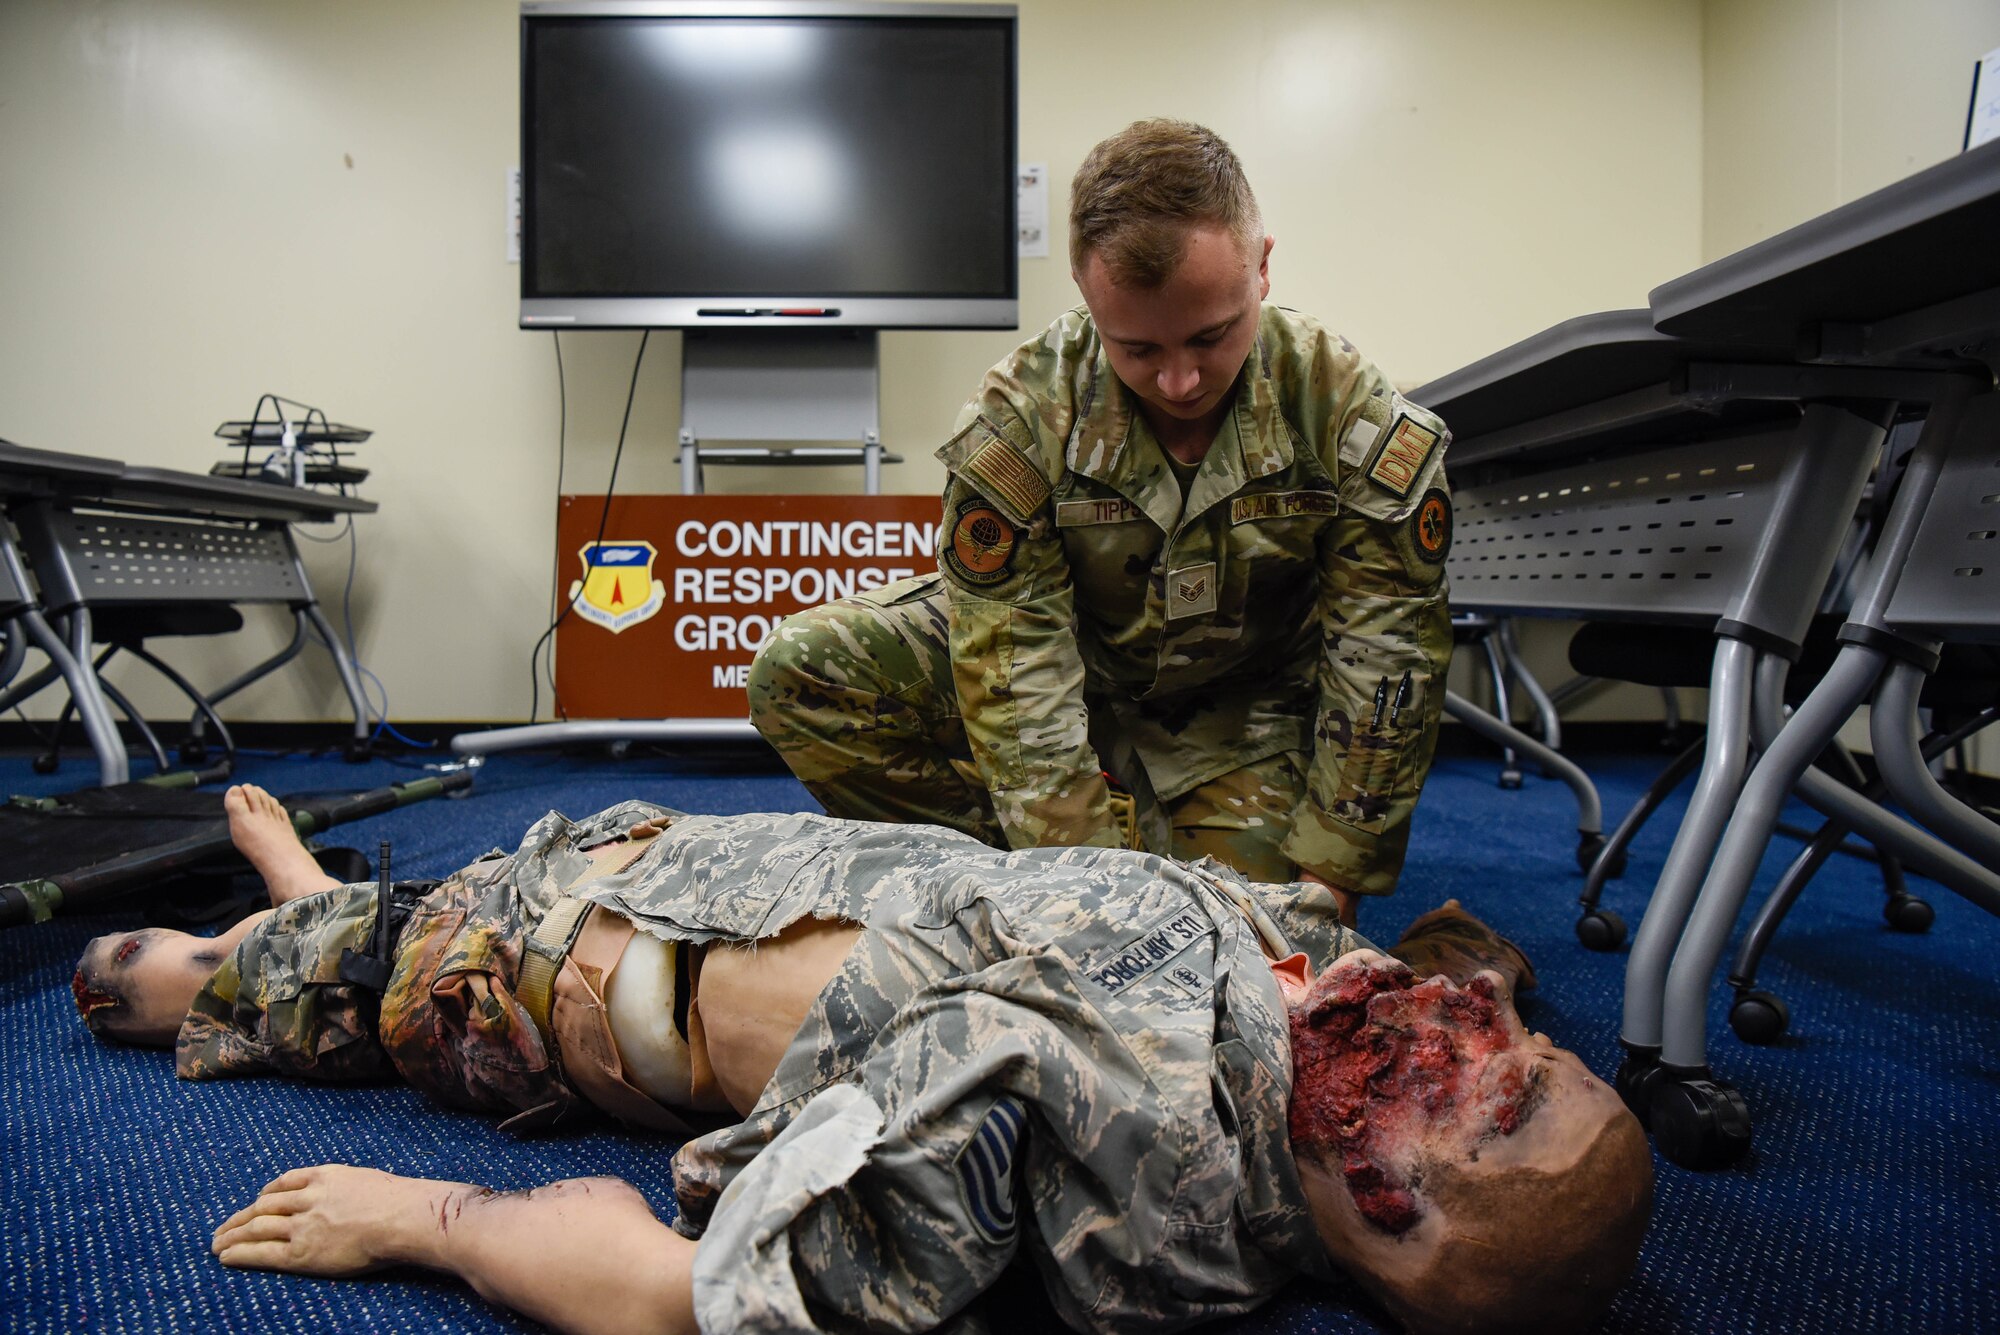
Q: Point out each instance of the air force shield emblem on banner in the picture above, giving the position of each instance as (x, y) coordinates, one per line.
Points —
(617, 590)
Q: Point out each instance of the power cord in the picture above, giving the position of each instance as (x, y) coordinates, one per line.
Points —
(603, 517)
(555, 552)
(371, 715)
(555, 549)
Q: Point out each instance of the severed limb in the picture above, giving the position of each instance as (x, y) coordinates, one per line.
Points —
(584, 1255)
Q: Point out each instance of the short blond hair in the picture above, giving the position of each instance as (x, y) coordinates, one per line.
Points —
(1138, 192)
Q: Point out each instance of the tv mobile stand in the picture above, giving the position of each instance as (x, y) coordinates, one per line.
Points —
(753, 389)
(746, 391)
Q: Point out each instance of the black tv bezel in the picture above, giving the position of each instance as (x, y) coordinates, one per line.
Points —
(736, 310)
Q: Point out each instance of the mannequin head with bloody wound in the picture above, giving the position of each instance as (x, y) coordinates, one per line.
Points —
(1472, 1176)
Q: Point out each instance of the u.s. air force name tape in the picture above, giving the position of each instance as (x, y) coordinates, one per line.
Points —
(1153, 947)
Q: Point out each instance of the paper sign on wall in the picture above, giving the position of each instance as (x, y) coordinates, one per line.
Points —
(1983, 121)
(1031, 197)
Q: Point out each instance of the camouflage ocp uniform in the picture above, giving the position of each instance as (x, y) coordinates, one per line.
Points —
(1259, 658)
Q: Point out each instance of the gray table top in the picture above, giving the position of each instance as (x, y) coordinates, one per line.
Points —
(83, 479)
(1905, 279)
(1928, 240)
(1613, 363)
(27, 471)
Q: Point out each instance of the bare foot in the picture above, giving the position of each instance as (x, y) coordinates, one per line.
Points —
(334, 1221)
(262, 832)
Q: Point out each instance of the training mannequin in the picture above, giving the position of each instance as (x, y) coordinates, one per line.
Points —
(944, 1056)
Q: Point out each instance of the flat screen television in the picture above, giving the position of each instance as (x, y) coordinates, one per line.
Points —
(688, 165)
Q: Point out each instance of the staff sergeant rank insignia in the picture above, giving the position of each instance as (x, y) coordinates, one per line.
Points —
(985, 1167)
(1400, 460)
(1191, 591)
(982, 544)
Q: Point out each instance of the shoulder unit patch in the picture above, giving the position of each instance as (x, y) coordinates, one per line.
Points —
(1430, 526)
(982, 544)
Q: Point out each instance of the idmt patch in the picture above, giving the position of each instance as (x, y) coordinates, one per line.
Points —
(1405, 452)
(1430, 526)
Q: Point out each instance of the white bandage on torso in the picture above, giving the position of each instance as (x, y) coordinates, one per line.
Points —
(639, 1002)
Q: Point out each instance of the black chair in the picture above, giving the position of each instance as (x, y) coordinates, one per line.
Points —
(22, 625)
(127, 629)
(115, 581)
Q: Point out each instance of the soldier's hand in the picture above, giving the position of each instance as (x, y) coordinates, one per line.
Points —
(1346, 901)
(1125, 819)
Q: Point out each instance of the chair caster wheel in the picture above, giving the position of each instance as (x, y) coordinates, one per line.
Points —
(1635, 1082)
(1700, 1124)
(1510, 779)
(193, 753)
(358, 753)
(1600, 930)
(1907, 913)
(1760, 1018)
(45, 764)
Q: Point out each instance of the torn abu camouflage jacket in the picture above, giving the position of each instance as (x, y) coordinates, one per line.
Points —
(1079, 1053)
(1296, 601)
(448, 1023)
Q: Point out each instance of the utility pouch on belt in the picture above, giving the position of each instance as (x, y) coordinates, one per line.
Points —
(1124, 815)
(542, 958)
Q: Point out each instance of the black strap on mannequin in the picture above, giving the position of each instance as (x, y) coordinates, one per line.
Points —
(371, 968)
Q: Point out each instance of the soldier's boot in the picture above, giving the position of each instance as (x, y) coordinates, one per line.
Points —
(1450, 941)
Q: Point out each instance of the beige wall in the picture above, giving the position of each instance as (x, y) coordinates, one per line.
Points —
(1811, 103)
(1808, 104)
(207, 200)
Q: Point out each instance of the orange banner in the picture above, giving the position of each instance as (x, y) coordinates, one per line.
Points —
(668, 608)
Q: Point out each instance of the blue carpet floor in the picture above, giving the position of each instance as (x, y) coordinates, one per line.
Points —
(1871, 1199)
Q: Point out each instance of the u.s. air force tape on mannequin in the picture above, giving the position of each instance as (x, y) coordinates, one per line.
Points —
(671, 603)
